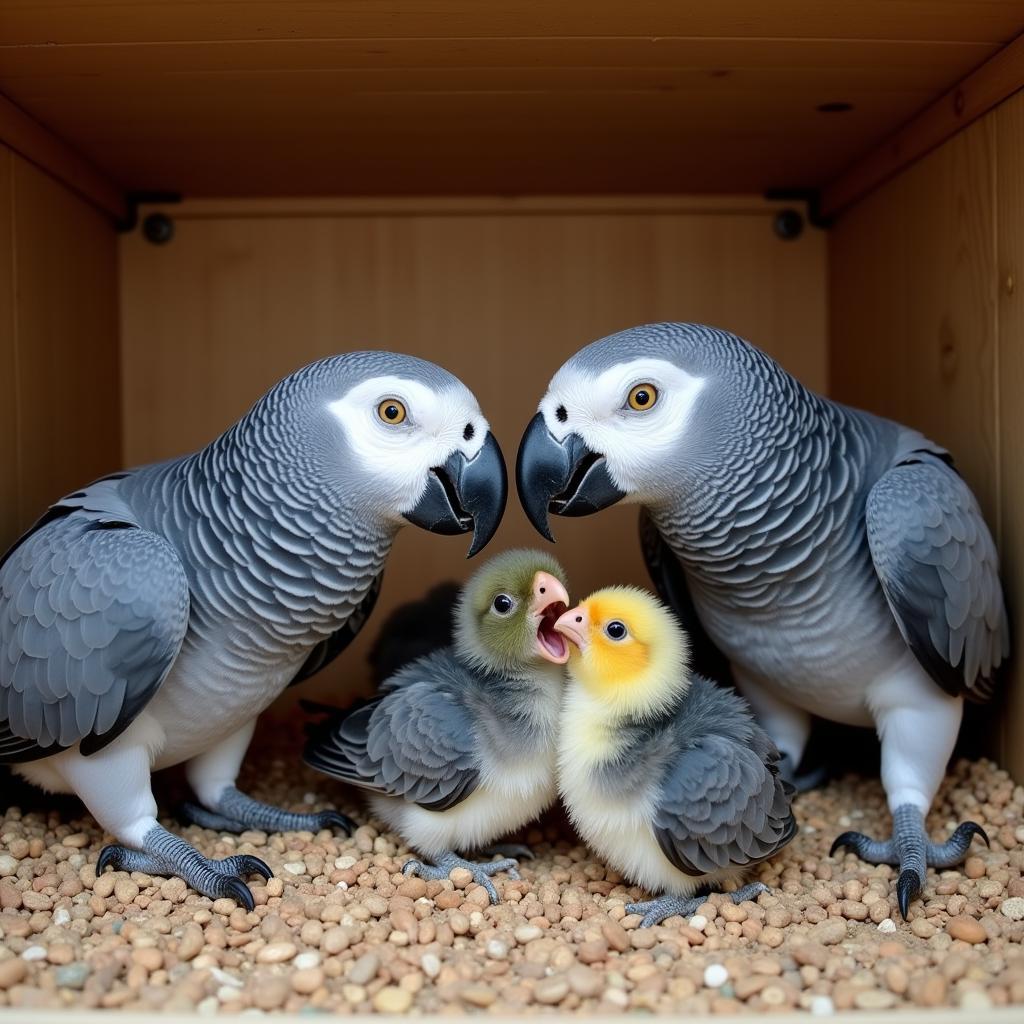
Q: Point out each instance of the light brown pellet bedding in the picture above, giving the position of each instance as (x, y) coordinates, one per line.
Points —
(340, 929)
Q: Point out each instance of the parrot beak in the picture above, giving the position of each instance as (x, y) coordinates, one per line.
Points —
(550, 599)
(575, 626)
(465, 494)
(564, 477)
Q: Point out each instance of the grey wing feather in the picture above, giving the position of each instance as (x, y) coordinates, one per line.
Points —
(722, 805)
(415, 742)
(669, 580)
(327, 650)
(93, 611)
(939, 570)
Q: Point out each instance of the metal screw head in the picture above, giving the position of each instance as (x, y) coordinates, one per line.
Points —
(789, 224)
(158, 228)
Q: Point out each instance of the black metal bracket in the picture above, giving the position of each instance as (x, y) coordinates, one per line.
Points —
(137, 199)
(810, 197)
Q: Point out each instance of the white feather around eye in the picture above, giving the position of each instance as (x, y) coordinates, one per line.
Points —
(633, 442)
(398, 457)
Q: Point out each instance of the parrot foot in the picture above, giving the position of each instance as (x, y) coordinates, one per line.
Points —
(236, 812)
(805, 782)
(750, 891)
(656, 911)
(481, 871)
(911, 850)
(517, 851)
(193, 814)
(167, 854)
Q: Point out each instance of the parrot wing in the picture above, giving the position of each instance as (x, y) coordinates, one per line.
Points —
(939, 570)
(93, 612)
(720, 806)
(670, 582)
(415, 742)
(327, 650)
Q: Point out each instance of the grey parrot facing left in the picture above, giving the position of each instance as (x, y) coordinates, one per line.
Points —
(835, 558)
(147, 619)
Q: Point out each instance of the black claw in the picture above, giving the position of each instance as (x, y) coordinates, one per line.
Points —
(968, 830)
(847, 839)
(110, 856)
(255, 865)
(236, 889)
(336, 819)
(908, 885)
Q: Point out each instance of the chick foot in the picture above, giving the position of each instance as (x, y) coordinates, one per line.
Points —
(656, 911)
(163, 853)
(480, 870)
(236, 812)
(911, 850)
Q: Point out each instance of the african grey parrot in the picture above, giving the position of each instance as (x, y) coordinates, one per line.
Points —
(667, 776)
(458, 747)
(147, 619)
(835, 558)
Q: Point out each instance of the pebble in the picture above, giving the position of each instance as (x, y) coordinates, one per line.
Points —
(715, 975)
(34, 953)
(1013, 908)
(345, 933)
(966, 929)
(974, 867)
(392, 999)
(550, 991)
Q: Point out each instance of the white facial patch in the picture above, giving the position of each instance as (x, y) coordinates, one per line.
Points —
(633, 442)
(399, 456)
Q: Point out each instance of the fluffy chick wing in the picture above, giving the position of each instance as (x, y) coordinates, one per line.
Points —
(416, 742)
(939, 570)
(721, 802)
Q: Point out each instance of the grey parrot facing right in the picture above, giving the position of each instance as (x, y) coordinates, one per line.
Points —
(147, 619)
(835, 558)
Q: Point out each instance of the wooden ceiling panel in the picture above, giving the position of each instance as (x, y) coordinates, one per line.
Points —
(364, 96)
(47, 22)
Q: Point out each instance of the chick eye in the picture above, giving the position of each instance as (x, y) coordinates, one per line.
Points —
(503, 604)
(642, 397)
(391, 411)
(616, 630)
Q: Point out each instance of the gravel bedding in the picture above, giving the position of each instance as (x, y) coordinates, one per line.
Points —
(339, 929)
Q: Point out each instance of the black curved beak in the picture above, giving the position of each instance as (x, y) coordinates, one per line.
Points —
(465, 494)
(564, 477)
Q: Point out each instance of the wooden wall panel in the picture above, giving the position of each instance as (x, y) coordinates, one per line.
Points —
(59, 367)
(67, 340)
(1009, 121)
(8, 396)
(234, 303)
(926, 327)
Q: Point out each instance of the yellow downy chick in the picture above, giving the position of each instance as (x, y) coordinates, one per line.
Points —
(665, 776)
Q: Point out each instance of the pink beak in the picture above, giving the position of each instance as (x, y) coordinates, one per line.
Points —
(575, 624)
(550, 599)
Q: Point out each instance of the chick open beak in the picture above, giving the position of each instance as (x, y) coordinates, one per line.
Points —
(549, 600)
(575, 626)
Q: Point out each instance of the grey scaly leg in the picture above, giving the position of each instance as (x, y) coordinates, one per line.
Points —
(235, 812)
(481, 871)
(911, 850)
(168, 854)
(656, 911)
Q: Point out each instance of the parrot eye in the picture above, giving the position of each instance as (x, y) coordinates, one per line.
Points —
(616, 630)
(391, 411)
(503, 604)
(642, 397)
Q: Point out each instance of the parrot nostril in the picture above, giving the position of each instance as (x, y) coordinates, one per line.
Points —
(560, 414)
(467, 434)
(579, 618)
(542, 590)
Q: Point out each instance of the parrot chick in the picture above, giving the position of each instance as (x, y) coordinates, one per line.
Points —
(665, 775)
(459, 747)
